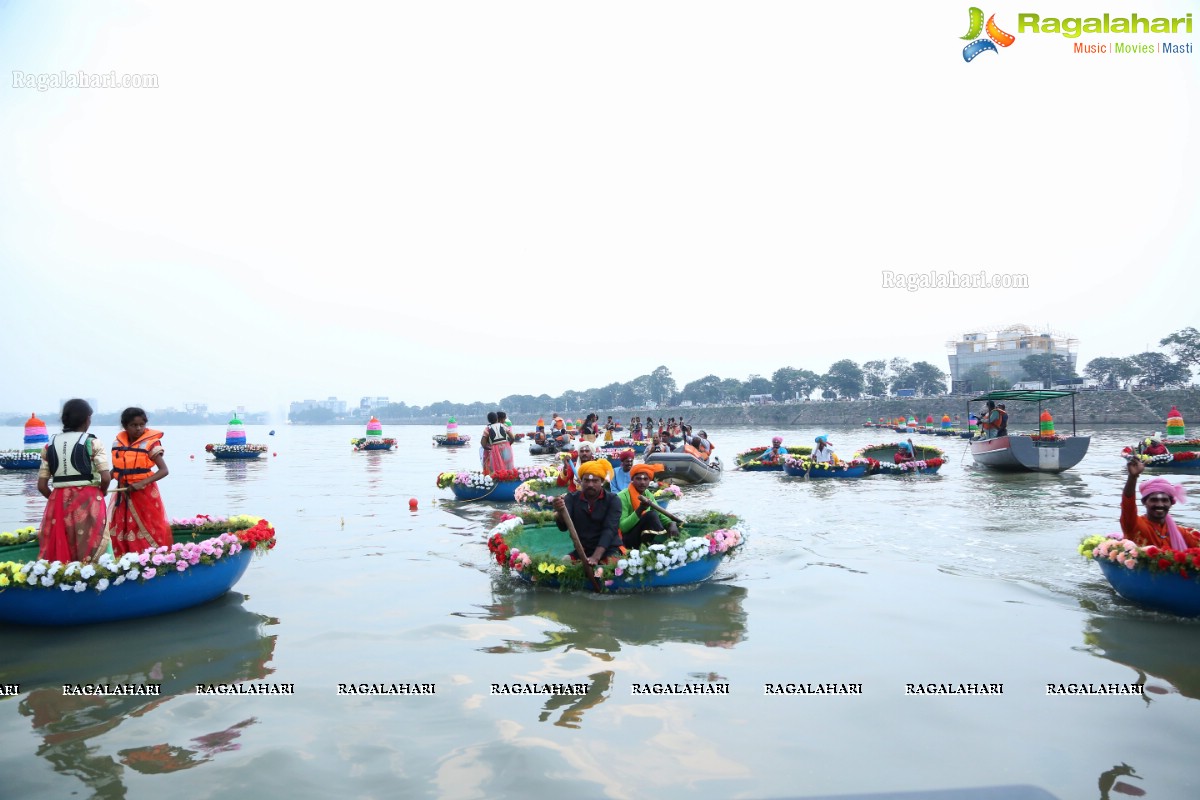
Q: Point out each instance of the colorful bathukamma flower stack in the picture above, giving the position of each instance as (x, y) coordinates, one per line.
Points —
(1175, 426)
(235, 434)
(451, 437)
(374, 439)
(1046, 425)
(31, 456)
(36, 437)
(235, 446)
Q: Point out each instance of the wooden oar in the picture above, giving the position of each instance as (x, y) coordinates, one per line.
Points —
(661, 510)
(579, 551)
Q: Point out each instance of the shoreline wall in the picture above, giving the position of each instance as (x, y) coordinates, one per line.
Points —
(1091, 408)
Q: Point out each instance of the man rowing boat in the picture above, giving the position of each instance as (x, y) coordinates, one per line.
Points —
(637, 520)
(594, 512)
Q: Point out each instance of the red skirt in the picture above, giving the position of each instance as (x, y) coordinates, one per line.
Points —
(137, 521)
(73, 525)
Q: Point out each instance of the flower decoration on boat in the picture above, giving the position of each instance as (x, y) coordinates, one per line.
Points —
(799, 450)
(477, 480)
(666, 491)
(19, 536)
(360, 444)
(1164, 459)
(908, 466)
(460, 441)
(1184, 563)
(1047, 437)
(109, 571)
(642, 563)
(808, 463)
(235, 448)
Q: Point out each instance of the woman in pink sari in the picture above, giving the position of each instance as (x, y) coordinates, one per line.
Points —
(499, 454)
(77, 464)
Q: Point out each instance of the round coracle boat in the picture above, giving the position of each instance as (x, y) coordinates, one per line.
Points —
(372, 443)
(548, 448)
(500, 487)
(748, 460)
(17, 460)
(881, 459)
(1161, 580)
(806, 467)
(235, 451)
(209, 556)
(639, 448)
(441, 440)
(1172, 461)
(533, 549)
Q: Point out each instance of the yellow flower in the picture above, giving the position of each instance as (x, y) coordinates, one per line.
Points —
(4, 581)
(561, 569)
(19, 577)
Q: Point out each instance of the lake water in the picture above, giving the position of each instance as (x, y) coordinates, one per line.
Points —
(969, 576)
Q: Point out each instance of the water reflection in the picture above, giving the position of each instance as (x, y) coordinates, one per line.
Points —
(221, 642)
(23, 484)
(1138, 642)
(236, 472)
(157, 759)
(710, 614)
(573, 705)
(1110, 782)
(374, 470)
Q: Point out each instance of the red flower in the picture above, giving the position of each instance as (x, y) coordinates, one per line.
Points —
(1164, 563)
(1182, 572)
(1152, 551)
(1180, 558)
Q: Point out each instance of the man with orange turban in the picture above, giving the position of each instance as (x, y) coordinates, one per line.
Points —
(594, 512)
(636, 523)
(1157, 527)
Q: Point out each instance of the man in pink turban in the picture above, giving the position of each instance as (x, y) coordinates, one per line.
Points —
(1157, 527)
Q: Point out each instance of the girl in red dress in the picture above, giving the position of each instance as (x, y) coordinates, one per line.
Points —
(137, 520)
(77, 464)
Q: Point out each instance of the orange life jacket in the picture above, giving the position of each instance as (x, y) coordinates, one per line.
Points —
(131, 462)
(691, 451)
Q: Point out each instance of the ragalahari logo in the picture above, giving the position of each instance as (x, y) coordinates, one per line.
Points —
(995, 36)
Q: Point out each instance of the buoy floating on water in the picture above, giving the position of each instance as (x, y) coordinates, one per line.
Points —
(412, 504)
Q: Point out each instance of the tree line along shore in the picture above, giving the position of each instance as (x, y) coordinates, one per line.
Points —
(1147, 408)
(1091, 408)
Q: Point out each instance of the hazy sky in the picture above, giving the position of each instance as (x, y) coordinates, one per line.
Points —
(467, 200)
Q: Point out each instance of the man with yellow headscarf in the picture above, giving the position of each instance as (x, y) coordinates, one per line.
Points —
(594, 512)
(637, 522)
